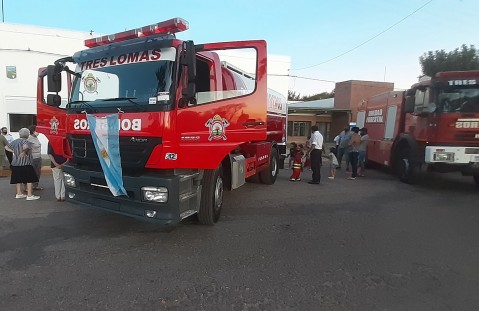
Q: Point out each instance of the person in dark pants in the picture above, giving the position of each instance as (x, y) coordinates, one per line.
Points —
(354, 143)
(315, 154)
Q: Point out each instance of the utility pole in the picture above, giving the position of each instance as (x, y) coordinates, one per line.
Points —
(3, 14)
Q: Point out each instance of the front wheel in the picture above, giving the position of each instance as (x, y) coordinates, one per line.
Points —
(211, 196)
(405, 169)
(269, 175)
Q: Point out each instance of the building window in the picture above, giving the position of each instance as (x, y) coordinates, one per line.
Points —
(18, 121)
(299, 128)
(324, 129)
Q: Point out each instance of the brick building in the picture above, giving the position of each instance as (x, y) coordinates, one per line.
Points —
(333, 114)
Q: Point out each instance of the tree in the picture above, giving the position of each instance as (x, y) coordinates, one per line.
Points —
(292, 96)
(465, 58)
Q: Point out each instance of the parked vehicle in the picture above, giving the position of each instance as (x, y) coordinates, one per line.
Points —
(191, 122)
(436, 123)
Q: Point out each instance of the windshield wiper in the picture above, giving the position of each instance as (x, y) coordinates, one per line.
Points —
(82, 103)
(130, 99)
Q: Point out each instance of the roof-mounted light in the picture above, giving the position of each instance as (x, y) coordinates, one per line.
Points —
(170, 26)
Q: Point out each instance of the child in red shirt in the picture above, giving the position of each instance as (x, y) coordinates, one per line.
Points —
(297, 164)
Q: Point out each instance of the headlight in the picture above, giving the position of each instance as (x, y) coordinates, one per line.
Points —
(155, 194)
(69, 180)
(444, 157)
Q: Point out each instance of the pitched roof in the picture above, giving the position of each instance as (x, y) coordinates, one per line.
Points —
(327, 103)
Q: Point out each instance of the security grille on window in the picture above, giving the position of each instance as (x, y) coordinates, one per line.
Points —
(299, 128)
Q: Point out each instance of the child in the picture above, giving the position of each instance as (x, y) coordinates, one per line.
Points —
(307, 159)
(333, 162)
(292, 151)
(297, 164)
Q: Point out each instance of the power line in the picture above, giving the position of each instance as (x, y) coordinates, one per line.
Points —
(306, 78)
(370, 39)
(330, 81)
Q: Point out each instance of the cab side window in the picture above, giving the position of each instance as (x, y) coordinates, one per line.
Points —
(225, 74)
(421, 103)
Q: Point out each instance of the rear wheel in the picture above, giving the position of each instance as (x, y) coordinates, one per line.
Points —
(269, 175)
(405, 169)
(211, 196)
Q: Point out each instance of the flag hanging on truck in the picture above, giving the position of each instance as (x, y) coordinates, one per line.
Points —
(105, 135)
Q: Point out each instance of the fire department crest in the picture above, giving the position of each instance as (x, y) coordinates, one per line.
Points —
(54, 125)
(217, 127)
(90, 83)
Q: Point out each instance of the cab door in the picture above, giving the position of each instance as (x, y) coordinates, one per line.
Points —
(230, 103)
(51, 111)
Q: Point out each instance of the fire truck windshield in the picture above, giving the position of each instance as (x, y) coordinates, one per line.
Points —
(458, 99)
(134, 84)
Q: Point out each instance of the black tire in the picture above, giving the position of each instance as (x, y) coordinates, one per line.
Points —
(211, 196)
(476, 179)
(405, 168)
(269, 175)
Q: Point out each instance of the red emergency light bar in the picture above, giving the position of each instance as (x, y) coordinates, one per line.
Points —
(454, 74)
(170, 26)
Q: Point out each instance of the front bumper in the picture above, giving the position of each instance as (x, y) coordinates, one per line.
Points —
(87, 193)
(452, 155)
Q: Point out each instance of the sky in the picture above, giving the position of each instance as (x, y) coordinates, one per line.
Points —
(328, 41)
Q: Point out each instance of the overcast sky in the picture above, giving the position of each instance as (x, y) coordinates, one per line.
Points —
(335, 40)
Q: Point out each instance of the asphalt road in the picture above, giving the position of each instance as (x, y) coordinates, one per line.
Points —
(369, 244)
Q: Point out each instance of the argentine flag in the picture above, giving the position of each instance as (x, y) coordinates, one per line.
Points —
(105, 135)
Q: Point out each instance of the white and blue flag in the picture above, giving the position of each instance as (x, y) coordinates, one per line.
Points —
(105, 135)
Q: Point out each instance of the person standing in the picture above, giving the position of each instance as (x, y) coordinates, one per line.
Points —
(333, 162)
(3, 157)
(57, 162)
(9, 139)
(354, 143)
(344, 138)
(22, 169)
(363, 148)
(315, 154)
(307, 160)
(291, 154)
(36, 146)
(336, 145)
(297, 164)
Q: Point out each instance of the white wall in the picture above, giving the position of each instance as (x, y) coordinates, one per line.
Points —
(28, 48)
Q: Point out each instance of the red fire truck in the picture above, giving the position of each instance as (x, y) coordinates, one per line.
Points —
(191, 122)
(436, 122)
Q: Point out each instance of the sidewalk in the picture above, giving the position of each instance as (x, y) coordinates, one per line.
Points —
(46, 206)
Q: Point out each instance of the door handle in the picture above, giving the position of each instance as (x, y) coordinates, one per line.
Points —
(255, 123)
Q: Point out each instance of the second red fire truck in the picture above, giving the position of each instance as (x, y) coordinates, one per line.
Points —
(191, 122)
(435, 123)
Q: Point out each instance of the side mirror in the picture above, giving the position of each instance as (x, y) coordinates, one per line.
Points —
(54, 78)
(189, 82)
(409, 106)
(54, 100)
